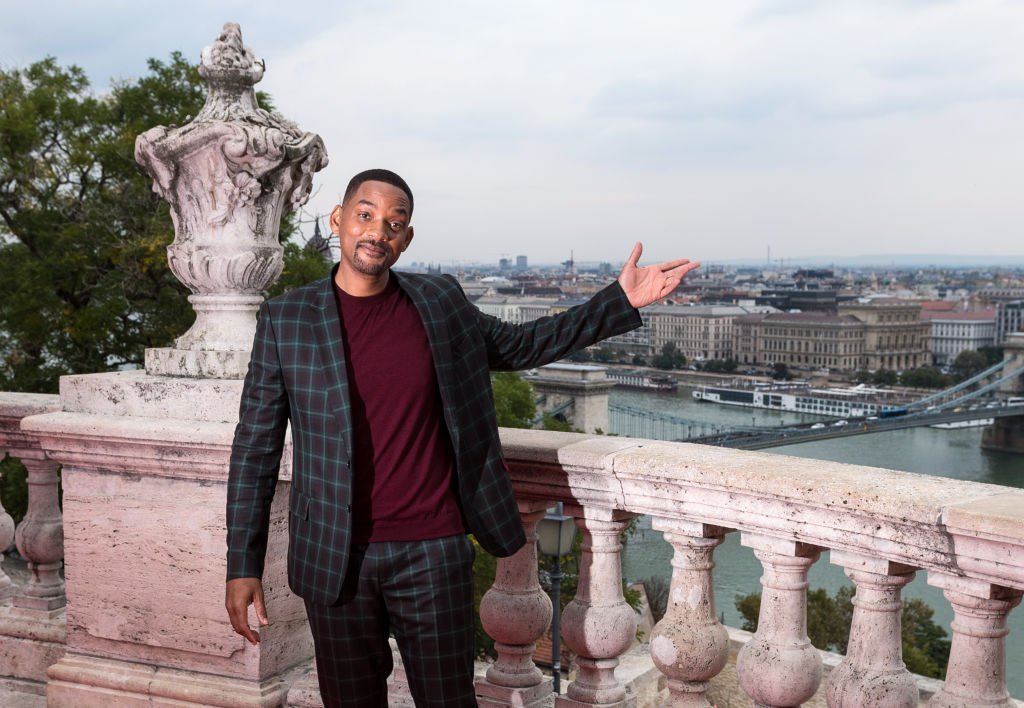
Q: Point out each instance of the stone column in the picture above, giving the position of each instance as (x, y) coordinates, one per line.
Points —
(779, 666)
(7, 586)
(976, 673)
(872, 675)
(598, 625)
(40, 537)
(515, 612)
(689, 645)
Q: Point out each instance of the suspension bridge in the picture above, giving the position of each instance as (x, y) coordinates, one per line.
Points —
(970, 400)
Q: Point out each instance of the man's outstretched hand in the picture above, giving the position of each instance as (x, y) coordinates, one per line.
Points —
(651, 283)
(238, 595)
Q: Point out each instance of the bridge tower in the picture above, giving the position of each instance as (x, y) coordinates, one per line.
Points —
(1007, 434)
(578, 391)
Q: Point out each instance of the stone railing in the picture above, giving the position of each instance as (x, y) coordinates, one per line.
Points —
(32, 625)
(880, 526)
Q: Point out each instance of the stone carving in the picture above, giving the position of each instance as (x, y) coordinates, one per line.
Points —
(228, 176)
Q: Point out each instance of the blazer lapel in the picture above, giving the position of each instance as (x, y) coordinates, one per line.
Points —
(326, 323)
(435, 323)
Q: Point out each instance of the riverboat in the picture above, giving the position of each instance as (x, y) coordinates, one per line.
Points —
(800, 397)
(639, 379)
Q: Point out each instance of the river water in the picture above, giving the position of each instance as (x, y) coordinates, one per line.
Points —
(945, 453)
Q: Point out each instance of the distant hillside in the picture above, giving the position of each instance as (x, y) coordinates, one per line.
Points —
(916, 260)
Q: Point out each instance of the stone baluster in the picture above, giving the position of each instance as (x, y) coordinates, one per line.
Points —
(976, 673)
(40, 537)
(873, 673)
(7, 586)
(598, 625)
(780, 666)
(689, 645)
(516, 612)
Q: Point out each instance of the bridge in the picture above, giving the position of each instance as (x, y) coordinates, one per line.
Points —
(970, 400)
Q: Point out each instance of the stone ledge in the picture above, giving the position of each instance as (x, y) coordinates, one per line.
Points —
(139, 395)
(197, 363)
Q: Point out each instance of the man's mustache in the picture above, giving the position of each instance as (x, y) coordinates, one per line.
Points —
(375, 244)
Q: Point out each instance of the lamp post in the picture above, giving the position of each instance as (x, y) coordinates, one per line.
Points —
(555, 535)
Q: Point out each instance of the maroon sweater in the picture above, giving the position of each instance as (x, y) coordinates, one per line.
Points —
(402, 455)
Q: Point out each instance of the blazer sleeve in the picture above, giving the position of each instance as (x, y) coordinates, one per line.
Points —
(548, 339)
(256, 454)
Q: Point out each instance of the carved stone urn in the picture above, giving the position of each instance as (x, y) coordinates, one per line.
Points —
(228, 176)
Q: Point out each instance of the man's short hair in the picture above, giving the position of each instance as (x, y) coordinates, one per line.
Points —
(378, 175)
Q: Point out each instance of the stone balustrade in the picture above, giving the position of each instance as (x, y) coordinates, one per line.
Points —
(880, 526)
(32, 624)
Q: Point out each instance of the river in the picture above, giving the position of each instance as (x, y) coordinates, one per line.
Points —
(945, 453)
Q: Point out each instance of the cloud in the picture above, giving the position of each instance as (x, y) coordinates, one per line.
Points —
(816, 126)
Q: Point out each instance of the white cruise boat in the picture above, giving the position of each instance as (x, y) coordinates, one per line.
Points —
(800, 397)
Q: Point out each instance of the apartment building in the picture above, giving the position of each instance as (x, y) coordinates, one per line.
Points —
(699, 332)
(1009, 319)
(800, 340)
(873, 334)
(895, 336)
(514, 308)
(955, 332)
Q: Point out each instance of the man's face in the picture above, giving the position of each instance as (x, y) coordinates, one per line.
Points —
(373, 228)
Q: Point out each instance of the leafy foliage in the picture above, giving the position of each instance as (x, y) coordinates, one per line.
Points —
(84, 281)
(669, 357)
(969, 363)
(925, 647)
(780, 372)
(925, 377)
(720, 365)
(513, 400)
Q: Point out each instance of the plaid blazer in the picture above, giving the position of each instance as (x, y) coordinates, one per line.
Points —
(297, 374)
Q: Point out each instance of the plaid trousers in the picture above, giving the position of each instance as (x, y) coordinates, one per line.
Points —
(422, 592)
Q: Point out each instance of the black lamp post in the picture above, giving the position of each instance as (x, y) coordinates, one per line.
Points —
(555, 534)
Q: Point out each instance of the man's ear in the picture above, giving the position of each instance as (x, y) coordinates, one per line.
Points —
(408, 239)
(335, 220)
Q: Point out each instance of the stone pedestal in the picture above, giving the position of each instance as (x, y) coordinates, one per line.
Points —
(145, 463)
(579, 392)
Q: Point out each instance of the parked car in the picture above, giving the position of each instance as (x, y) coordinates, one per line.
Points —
(840, 423)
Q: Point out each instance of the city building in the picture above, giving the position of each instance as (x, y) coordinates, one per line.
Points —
(956, 332)
(895, 336)
(1009, 319)
(800, 340)
(699, 332)
(514, 308)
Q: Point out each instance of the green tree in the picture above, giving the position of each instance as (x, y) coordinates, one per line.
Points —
(925, 377)
(84, 281)
(513, 400)
(925, 647)
(721, 365)
(969, 363)
(669, 357)
(993, 355)
(885, 377)
(780, 372)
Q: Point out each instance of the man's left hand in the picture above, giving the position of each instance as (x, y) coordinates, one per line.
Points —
(651, 283)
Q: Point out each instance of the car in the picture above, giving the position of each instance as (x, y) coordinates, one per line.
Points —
(840, 423)
(816, 426)
(872, 417)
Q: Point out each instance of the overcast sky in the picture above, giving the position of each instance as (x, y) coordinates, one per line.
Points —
(709, 130)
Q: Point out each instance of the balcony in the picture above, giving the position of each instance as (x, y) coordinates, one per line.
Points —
(141, 620)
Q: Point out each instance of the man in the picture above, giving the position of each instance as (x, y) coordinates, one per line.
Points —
(384, 377)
